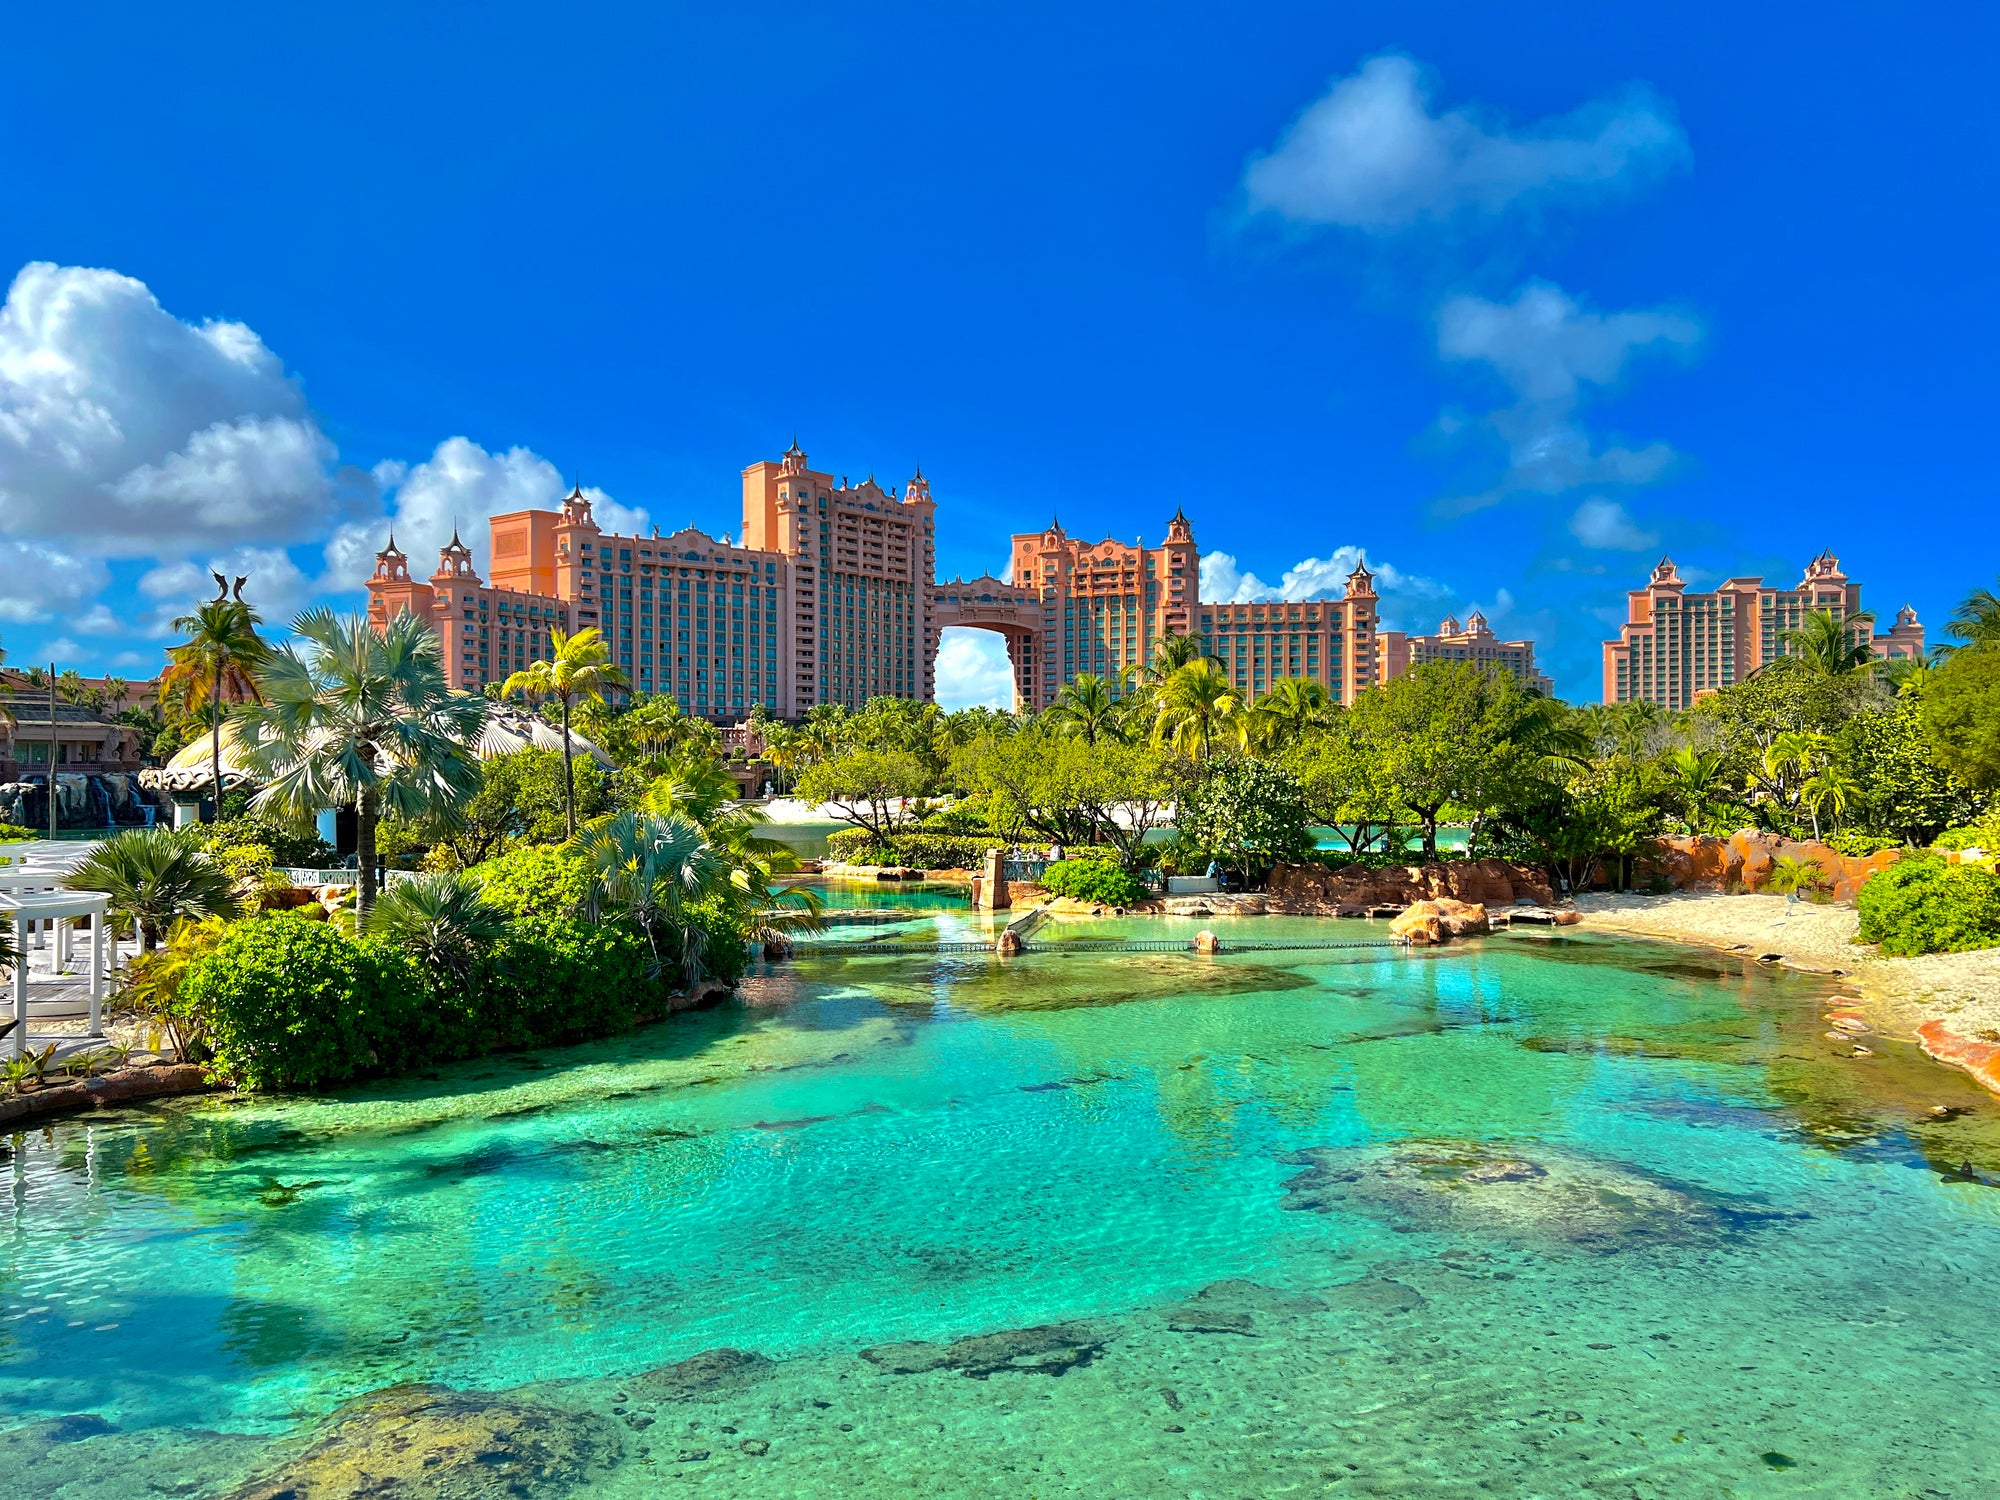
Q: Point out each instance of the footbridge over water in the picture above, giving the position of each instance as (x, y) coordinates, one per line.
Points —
(1015, 613)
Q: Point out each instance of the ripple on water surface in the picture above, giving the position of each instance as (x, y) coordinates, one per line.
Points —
(1528, 1216)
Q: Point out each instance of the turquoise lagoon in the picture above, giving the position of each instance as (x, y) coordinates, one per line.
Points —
(1534, 1215)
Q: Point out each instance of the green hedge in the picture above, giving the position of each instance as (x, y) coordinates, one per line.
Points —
(11, 833)
(1099, 880)
(1921, 904)
(923, 851)
(291, 1004)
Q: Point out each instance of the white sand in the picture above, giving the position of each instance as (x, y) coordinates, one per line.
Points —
(1899, 993)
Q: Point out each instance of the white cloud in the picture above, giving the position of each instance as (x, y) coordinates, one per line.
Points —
(973, 671)
(458, 487)
(1370, 155)
(1403, 595)
(37, 579)
(124, 429)
(1548, 349)
(1608, 525)
(99, 620)
(1545, 346)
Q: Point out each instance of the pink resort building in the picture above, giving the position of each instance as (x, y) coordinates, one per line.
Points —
(1396, 653)
(1675, 645)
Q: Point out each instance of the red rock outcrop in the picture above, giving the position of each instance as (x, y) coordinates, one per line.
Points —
(1980, 1059)
(1429, 922)
(1357, 889)
(1743, 861)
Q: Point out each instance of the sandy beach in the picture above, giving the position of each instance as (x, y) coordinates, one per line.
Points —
(1899, 994)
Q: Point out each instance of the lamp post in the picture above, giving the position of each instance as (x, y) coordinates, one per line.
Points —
(54, 751)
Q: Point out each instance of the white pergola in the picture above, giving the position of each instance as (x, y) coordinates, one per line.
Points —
(44, 918)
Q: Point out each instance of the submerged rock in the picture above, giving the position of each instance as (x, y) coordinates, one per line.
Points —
(1552, 1195)
(1233, 1307)
(1048, 1349)
(426, 1442)
(703, 1377)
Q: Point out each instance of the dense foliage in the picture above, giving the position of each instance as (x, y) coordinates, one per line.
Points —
(1924, 905)
(289, 846)
(539, 880)
(920, 849)
(290, 1004)
(1248, 813)
(1104, 881)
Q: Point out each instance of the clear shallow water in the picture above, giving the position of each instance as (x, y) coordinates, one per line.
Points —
(1534, 1216)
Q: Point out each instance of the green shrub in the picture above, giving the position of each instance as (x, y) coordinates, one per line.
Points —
(923, 851)
(536, 880)
(1858, 845)
(1099, 880)
(288, 846)
(12, 833)
(560, 979)
(1921, 904)
(287, 1003)
(1985, 834)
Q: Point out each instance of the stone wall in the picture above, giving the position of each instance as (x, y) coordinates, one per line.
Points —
(1743, 861)
(1356, 889)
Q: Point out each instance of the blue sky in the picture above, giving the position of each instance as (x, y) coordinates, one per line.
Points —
(1513, 298)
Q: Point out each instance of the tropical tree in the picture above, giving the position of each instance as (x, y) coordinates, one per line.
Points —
(216, 666)
(1171, 652)
(1905, 791)
(1830, 790)
(1788, 763)
(1249, 813)
(1293, 708)
(1976, 622)
(1961, 715)
(442, 920)
(653, 872)
(1194, 707)
(1700, 781)
(1344, 787)
(1087, 708)
(1457, 735)
(578, 668)
(155, 877)
(869, 788)
(350, 718)
(706, 796)
(1829, 644)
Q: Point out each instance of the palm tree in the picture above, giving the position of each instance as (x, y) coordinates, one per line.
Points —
(651, 870)
(1698, 777)
(215, 666)
(1292, 709)
(1194, 705)
(1171, 652)
(579, 667)
(352, 718)
(707, 798)
(156, 876)
(1977, 620)
(1829, 788)
(1087, 709)
(1827, 643)
(442, 920)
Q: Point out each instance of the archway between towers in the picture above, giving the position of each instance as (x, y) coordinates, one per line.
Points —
(1013, 613)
